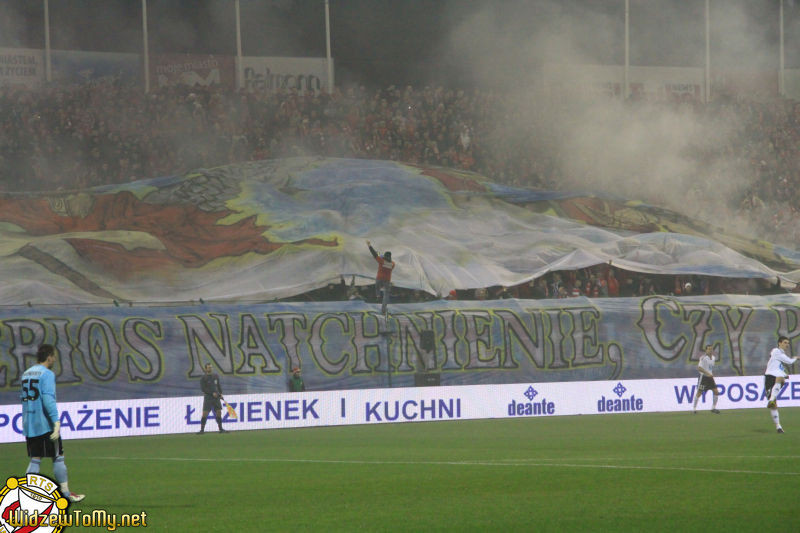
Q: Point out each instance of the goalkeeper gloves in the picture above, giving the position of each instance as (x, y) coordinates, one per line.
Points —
(56, 431)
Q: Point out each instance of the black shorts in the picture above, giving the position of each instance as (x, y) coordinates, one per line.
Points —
(209, 403)
(706, 383)
(43, 446)
(769, 382)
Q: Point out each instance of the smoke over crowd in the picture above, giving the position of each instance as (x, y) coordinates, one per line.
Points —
(700, 159)
(728, 161)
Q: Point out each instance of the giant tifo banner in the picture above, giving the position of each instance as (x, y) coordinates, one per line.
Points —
(154, 416)
(277, 229)
(21, 66)
(121, 353)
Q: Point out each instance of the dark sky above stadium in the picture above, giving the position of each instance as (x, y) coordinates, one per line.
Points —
(411, 41)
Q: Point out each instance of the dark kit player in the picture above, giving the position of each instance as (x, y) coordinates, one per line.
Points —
(212, 392)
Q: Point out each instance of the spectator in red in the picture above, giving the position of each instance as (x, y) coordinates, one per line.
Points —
(576, 288)
(613, 283)
(383, 279)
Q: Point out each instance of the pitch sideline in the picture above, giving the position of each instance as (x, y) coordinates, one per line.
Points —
(516, 463)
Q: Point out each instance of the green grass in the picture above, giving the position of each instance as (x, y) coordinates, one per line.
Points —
(635, 472)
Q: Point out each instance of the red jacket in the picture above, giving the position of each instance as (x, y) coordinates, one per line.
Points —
(384, 267)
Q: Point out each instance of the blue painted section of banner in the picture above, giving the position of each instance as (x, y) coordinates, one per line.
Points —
(145, 352)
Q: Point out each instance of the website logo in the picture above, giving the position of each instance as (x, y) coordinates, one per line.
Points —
(531, 407)
(32, 503)
(619, 404)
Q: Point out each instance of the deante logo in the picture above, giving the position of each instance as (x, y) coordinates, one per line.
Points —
(619, 404)
(531, 408)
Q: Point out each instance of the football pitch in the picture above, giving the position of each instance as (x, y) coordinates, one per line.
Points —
(633, 472)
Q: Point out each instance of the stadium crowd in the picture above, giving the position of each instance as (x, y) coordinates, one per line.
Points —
(600, 281)
(102, 133)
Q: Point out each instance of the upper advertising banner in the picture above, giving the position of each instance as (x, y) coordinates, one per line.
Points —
(646, 83)
(76, 67)
(270, 73)
(190, 70)
(21, 66)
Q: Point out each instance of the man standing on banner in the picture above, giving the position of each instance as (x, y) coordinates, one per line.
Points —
(383, 279)
(775, 376)
(706, 380)
(40, 419)
(212, 392)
